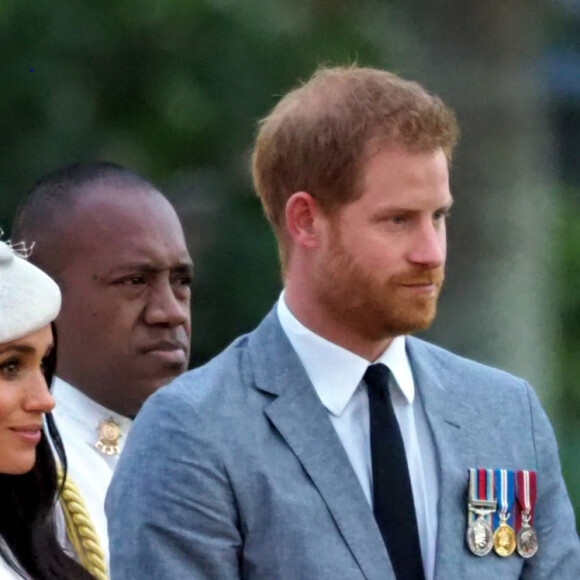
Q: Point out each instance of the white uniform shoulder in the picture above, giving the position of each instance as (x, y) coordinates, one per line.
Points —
(93, 437)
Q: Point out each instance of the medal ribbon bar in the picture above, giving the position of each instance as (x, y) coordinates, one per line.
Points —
(526, 494)
(505, 493)
(482, 500)
(486, 491)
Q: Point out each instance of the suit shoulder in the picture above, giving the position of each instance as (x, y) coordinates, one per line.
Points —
(461, 368)
(216, 379)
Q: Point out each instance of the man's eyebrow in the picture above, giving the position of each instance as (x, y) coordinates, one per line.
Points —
(185, 267)
(146, 268)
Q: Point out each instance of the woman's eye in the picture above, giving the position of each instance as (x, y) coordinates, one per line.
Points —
(9, 368)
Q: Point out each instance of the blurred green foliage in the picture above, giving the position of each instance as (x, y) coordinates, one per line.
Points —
(162, 86)
(568, 248)
(173, 90)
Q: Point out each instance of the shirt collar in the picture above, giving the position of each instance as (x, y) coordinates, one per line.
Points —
(336, 372)
(84, 410)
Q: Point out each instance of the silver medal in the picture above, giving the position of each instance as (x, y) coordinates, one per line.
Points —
(480, 537)
(527, 541)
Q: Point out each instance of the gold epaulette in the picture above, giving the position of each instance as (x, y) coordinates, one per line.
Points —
(81, 530)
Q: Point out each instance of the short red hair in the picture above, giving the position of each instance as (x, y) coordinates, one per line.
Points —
(318, 138)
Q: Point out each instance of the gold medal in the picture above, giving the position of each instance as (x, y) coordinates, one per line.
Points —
(109, 434)
(504, 540)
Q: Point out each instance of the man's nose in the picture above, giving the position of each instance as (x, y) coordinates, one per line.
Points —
(167, 306)
(430, 245)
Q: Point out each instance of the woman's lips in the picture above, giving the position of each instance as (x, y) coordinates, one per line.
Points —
(28, 433)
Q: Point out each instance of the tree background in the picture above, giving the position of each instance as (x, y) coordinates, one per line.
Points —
(174, 90)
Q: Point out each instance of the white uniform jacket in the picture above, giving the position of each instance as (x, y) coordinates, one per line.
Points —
(77, 418)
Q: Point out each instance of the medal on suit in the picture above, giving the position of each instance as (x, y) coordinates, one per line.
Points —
(504, 540)
(527, 538)
(504, 537)
(481, 504)
(109, 433)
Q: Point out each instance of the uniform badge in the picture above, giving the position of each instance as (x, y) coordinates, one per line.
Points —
(109, 434)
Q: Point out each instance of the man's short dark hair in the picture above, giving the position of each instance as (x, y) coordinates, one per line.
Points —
(55, 194)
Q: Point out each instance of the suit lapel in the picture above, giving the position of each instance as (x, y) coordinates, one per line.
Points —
(448, 417)
(301, 419)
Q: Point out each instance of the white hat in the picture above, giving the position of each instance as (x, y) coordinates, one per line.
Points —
(29, 298)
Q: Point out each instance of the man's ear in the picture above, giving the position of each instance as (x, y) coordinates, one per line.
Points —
(302, 216)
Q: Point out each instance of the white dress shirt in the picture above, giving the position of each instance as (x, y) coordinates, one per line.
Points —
(336, 374)
(77, 418)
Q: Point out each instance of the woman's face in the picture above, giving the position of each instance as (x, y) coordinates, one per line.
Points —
(24, 398)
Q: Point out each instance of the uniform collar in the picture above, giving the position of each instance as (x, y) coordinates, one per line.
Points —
(336, 372)
(85, 412)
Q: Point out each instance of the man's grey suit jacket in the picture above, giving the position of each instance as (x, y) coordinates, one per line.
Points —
(235, 471)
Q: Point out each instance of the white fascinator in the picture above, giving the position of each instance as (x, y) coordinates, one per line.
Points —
(29, 298)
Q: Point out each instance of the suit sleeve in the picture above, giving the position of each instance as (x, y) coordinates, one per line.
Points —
(170, 507)
(559, 548)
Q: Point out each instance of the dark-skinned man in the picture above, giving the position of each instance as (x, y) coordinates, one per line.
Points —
(116, 247)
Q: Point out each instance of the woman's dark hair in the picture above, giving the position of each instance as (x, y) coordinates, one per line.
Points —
(27, 506)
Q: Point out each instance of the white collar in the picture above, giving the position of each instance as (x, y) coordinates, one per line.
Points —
(336, 372)
(84, 411)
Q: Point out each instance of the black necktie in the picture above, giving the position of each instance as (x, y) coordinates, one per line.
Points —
(393, 497)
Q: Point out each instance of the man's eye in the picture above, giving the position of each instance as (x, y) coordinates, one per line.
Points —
(181, 278)
(133, 281)
(398, 219)
(440, 215)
